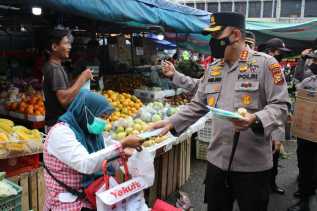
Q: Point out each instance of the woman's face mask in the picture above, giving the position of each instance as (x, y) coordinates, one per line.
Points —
(97, 126)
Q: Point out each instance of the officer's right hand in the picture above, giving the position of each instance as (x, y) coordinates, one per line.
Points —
(87, 74)
(164, 124)
(132, 142)
(168, 69)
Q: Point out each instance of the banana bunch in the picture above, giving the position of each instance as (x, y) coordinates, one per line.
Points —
(3, 140)
(22, 133)
(6, 126)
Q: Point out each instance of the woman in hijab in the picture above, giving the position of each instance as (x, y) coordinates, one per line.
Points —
(74, 151)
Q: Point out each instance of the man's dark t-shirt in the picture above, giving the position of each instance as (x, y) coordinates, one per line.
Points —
(55, 78)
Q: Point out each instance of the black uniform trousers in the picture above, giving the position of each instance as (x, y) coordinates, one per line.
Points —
(251, 190)
(307, 164)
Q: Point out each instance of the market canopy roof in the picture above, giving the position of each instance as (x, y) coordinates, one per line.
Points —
(180, 19)
(177, 17)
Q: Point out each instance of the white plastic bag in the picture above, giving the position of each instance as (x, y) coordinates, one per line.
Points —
(141, 168)
(141, 164)
(103, 207)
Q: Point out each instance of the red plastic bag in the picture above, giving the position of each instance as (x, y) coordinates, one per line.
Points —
(160, 205)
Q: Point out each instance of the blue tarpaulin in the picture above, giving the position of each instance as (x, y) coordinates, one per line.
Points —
(178, 17)
(186, 21)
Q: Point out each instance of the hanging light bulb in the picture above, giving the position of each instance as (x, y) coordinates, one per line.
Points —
(36, 10)
(160, 37)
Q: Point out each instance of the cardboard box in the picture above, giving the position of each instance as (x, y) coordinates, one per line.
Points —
(305, 115)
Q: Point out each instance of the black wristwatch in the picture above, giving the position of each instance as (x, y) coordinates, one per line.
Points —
(257, 126)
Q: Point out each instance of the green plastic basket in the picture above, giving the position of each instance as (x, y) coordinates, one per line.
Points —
(12, 203)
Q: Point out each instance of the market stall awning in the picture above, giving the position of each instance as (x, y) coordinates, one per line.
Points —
(296, 36)
(177, 17)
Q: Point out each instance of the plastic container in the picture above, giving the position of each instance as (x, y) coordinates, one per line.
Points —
(18, 165)
(205, 134)
(201, 149)
(12, 203)
(34, 118)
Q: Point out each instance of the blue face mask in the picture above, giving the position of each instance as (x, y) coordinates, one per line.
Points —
(97, 126)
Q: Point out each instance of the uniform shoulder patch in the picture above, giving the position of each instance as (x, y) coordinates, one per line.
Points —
(277, 75)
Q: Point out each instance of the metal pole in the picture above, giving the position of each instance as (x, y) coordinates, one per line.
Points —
(262, 8)
(247, 10)
(278, 9)
(132, 50)
(302, 11)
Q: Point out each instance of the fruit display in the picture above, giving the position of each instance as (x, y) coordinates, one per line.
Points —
(178, 100)
(124, 82)
(125, 127)
(154, 140)
(125, 105)
(30, 102)
(156, 111)
(18, 139)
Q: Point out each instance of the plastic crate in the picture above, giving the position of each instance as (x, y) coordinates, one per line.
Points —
(205, 134)
(201, 149)
(12, 203)
(18, 165)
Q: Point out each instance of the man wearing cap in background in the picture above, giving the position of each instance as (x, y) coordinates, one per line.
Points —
(276, 48)
(302, 70)
(307, 150)
(240, 78)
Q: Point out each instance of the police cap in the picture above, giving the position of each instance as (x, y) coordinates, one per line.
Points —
(220, 20)
(276, 43)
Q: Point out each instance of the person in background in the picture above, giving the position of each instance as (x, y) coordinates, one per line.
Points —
(276, 47)
(241, 78)
(302, 70)
(250, 39)
(307, 150)
(58, 91)
(74, 151)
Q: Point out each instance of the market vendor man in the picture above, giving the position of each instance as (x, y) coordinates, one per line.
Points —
(241, 78)
(58, 91)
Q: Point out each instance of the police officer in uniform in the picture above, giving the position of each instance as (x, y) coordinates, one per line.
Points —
(240, 78)
(276, 48)
(307, 150)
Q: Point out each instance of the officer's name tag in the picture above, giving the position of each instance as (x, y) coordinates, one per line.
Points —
(214, 80)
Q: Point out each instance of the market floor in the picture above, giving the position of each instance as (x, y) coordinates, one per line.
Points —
(286, 179)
